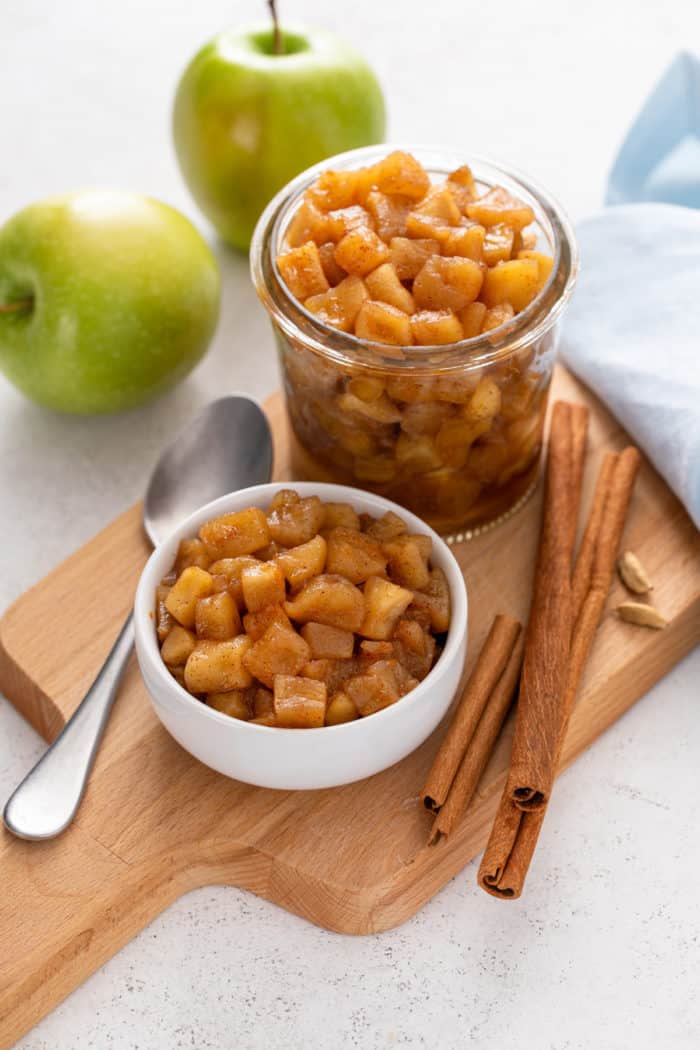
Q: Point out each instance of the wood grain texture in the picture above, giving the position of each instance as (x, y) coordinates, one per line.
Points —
(155, 823)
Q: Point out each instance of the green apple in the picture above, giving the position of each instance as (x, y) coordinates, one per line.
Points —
(247, 120)
(107, 298)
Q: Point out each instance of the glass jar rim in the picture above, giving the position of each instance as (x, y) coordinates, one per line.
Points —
(347, 349)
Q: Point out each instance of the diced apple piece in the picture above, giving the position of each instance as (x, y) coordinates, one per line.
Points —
(366, 387)
(217, 667)
(164, 621)
(485, 402)
(309, 223)
(334, 273)
(382, 410)
(414, 647)
(339, 306)
(411, 388)
(447, 284)
(256, 623)
(177, 647)
(336, 189)
(283, 498)
(384, 682)
(454, 439)
(515, 282)
(328, 643)
(232, 535)
(517, 398)
(385, 603)
(227, 573)
(301, 563)
(422, 418)
(319, 670)
(359, 252)
(435, 601)
(265, 720)
(379, 470)
(401, 175)
(262, 585)
(263, 703)
(496, 316)
(486, 461)
(217, 617)
(292, 524)
(472, 319)
(301, 270)
(419, 616)
(234, 704)
(280, 651)
(370, 693)
(192, 584)
(461, 185)
(498, 244)
(465, 241)
(354, 555)
(435, 328)
(383, 285)
(389, 214)
(345, 220)
(371, 651)
(409, 255)
(191, 552)
(416, 454)
(340, 514)
(381, 323)
(544, 266)
(439, 206)
(270, 552)
(340, 709)
(499, 206)
(408, 565)
(300, 703)
(328, 599)
(384, 528)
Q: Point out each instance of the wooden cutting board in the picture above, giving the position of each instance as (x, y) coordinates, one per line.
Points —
(155, 823)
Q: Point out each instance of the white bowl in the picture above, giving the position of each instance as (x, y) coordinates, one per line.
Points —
(304, 758)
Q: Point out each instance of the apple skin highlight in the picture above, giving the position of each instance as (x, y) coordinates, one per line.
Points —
(246, 120)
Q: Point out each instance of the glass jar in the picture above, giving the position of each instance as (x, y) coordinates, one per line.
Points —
(408, 422)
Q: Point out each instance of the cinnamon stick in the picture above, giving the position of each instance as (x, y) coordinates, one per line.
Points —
(548, 639)
(480, 747)
(488, 669)
(514, 835)
(584, 560)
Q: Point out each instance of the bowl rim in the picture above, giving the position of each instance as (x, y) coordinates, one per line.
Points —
(144, 619)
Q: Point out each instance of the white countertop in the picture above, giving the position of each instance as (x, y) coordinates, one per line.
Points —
(603, 950)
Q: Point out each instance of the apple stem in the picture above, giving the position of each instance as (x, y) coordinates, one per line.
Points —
(15, 308)
(277, 46)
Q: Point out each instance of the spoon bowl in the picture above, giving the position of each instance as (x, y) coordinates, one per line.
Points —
(227, 447)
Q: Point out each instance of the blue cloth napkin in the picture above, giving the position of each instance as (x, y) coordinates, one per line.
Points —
(659, 159)
(632, 332)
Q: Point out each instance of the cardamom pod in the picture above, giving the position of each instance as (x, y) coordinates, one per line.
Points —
(644, 615)
(633, 574)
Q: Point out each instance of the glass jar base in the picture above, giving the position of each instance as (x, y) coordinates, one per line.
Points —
(464, 535)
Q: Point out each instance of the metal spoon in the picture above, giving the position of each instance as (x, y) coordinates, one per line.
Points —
(228, 446)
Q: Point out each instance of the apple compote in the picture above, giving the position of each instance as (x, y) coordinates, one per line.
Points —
(302, 615)
(415, 316)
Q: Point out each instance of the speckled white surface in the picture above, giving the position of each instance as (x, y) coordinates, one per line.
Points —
(604, 949)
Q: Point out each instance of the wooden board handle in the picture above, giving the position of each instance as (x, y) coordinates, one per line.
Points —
(66, 906)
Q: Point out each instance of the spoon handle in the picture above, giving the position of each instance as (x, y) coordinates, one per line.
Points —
(46, 801)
